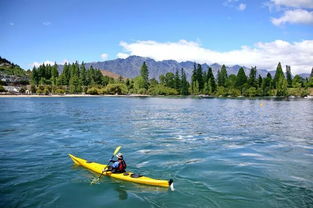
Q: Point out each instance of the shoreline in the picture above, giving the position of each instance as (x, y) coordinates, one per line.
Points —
(73, 95)
(139, 95)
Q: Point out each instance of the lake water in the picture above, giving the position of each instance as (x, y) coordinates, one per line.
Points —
(220, 152)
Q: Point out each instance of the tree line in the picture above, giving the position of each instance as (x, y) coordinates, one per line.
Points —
(76, 78)
(204, 82)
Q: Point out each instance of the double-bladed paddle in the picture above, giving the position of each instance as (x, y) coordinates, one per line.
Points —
(114, 153)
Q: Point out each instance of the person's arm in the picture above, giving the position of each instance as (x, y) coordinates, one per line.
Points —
(115, 165)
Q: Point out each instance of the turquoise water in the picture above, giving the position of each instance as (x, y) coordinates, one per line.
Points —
(220, 152)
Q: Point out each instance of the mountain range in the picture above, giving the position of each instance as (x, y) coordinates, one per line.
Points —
(130, 67)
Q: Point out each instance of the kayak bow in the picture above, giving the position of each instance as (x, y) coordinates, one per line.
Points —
(127, 176)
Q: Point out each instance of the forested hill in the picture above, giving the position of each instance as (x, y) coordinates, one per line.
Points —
(5, 63)
(8, 68)
(130, 66)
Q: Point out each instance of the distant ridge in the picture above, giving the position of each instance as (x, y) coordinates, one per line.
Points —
(130, 67)
(110, 74)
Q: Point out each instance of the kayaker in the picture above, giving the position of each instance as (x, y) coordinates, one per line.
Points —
(118, 166)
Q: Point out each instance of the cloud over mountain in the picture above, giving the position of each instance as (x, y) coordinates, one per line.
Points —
(263, 54)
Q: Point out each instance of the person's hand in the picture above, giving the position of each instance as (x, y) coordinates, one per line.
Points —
(112, 161)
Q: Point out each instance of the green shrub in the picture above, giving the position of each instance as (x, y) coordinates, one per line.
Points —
(299, 92)
(272, 92)
(234, 92)
(2, 89)
(47, 90)
(40, 90)
(142, 91)
(92, 91)
(116, 89)
(59, 91)
(221, 91)
(162, 90)
(251, 92)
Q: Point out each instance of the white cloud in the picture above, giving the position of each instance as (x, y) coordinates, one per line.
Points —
(263, 55)
(46, 23)
(228, 3)
(36, 64)
(294, 3)
(298, 16)
(295, 11)
(122, 55)
(235, 4)
(242, 7)
(47, 62)
(104, 56)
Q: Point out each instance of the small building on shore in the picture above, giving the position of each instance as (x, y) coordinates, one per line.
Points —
(12, 89)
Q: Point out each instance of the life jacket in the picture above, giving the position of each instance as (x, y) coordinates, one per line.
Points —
(121, 166)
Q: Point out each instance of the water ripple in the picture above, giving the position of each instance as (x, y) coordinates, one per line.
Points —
(220, 152)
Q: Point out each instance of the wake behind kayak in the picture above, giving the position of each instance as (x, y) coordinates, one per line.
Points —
(126, 176)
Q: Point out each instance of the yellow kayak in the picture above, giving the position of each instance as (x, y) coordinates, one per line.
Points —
(127, 176)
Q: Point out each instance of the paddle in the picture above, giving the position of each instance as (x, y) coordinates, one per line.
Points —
(114, 153)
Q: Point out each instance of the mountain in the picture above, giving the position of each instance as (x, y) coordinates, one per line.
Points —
(305, 75)
(130, 67)
(110, 74)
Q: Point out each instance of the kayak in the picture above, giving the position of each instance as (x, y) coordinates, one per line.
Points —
(126, 176)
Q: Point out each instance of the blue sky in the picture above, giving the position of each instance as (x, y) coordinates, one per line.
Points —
(250, 32)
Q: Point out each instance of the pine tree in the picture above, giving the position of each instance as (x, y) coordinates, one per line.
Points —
(211, 79)
(260, 79)
(311, 75)
(281, 86)
(199, 78)
(54, 72)
(241, 79)
(266, 84)
(252, 78)
(98, 77)
(195, 88)
(297, 82)
(83, 74)
(75, 85)
(77, 68)
(222, 76)
(177, 81)
(73, 70)
(184, 84)
(194, 77)
(279, 73)
(288, 75)
(35, 76)
(231, 81)
(144, 72)
(67, 74)
(47, 70)
(42, 71)
(90, 76)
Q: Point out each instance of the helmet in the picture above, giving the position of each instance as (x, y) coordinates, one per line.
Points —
(119, 155)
